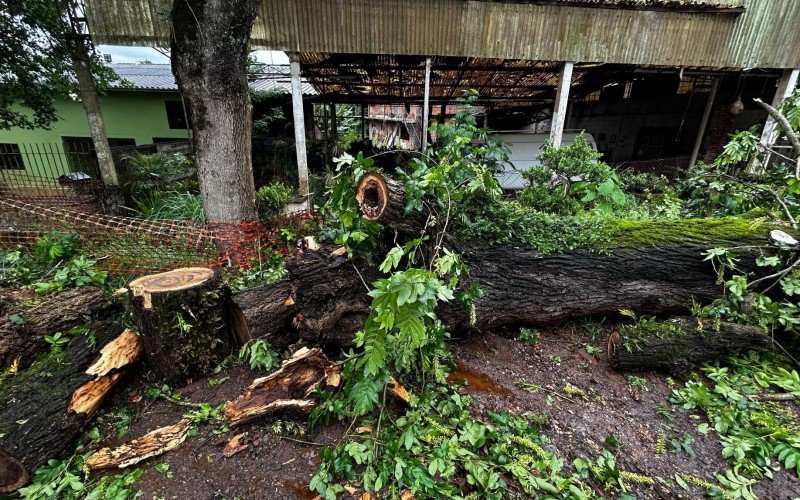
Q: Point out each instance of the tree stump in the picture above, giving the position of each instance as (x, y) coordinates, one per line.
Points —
(182, 316)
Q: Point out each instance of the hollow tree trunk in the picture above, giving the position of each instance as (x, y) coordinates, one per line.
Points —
(383, 199)
(182, 316)
(682, 347)
(209, 59)
(24, 321)
(44, 408)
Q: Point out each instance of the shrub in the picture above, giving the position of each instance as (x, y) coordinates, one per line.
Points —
(171, 205)
(272, 198)
(159, 172)
(571, 179)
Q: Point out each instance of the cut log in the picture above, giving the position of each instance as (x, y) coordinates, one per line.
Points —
(25, 320)
(323, 298)
(383, 199)
(182, 316)
(680, 344)
(150, 445)
(288, 390)
(35, 421)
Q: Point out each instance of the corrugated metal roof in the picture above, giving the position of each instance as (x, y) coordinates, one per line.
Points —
(764, 36)
(159, 77)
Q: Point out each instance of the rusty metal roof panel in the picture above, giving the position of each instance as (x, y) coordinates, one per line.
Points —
(712, 33)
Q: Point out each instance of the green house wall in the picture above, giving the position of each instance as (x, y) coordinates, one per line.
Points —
(140, 116)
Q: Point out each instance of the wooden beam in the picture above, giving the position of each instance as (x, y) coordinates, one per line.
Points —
(560, 107)
(701, 132)
(426, 104)
(299, 125)
(786, 85)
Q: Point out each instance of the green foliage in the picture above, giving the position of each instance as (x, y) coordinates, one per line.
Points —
(68, 480)
(635, 382)
(168, 205)
(747, 299)
(604, 471)
(529, 336)
(54, 263)
(570, 180)
(644, 328)
(259, 355)
(758, 436)
(37, 67)
(438, 439)
(268, 266)
(345, 224)
(271, 198)
(163, 172)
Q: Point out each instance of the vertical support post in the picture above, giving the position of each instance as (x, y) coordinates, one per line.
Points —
(701, 132)
(786, 85)
(363, 121)
(560, 107)
(299, 126)
(334, 124)
(426, 112)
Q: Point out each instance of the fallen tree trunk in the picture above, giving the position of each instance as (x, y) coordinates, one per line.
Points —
(182, 316)
(44, 408)
(680, 344)
(25, 320)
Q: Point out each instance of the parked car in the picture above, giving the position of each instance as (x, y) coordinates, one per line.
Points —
(525, 148)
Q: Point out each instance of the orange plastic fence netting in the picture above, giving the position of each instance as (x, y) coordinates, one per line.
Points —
(135, 246)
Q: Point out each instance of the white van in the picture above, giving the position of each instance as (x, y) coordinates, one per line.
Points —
(525, 148)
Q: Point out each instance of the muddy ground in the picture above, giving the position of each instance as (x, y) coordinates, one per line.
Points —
(588, 408)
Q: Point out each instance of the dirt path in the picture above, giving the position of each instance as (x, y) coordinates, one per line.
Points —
(587, 408)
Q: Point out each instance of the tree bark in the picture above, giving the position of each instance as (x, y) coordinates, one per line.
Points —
(24, 321)
(323, 297)
(684, 347)
(209, 47)
(44, 408)
(81, 65)
(287, 390)
(182, 316)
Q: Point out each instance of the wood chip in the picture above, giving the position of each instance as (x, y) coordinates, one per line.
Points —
(235, 445)
(87, 398)
(289, 301)
(124, 350)
(398, 390)
(339, 251)
(333, 376)
(150, 445)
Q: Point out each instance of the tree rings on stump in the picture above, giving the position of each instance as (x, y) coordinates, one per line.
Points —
(182, 316)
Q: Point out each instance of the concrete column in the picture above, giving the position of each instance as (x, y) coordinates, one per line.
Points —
(426, 113)
(299, 125)
(701, 132)
(560, 107)
(786, 85)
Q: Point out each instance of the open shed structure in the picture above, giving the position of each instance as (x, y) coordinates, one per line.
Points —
(645, 77)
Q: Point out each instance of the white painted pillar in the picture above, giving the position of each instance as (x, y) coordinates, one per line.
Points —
(786, 85)
(701, 132)
(299, 126)
(426, 112)
(561, 104)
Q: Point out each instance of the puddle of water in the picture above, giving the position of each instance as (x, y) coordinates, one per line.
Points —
(299, 489)
(476, 380)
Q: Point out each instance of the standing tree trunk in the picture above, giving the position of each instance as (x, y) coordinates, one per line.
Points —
(80, 50)
(209, 59)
